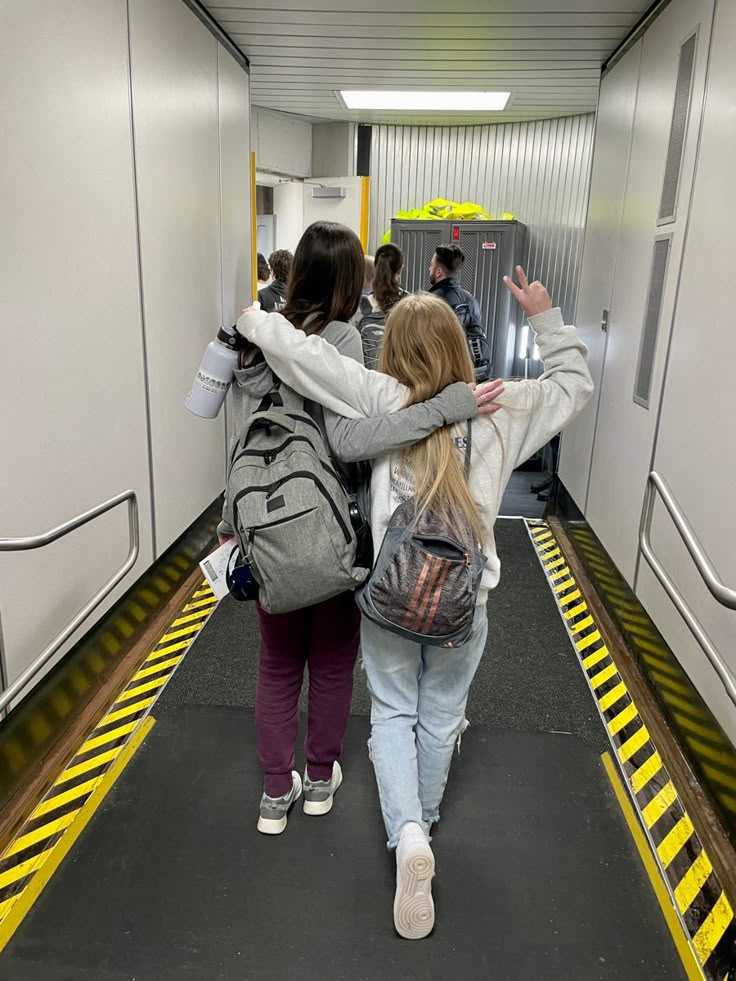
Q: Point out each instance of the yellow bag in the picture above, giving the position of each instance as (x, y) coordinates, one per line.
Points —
(448, 210)
(440, 207)
(468, 211)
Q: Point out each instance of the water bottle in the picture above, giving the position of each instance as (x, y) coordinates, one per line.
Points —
(215, 374)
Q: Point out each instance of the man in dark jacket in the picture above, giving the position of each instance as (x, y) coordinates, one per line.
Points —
(444, 273)
(444, 277)
(273, 296)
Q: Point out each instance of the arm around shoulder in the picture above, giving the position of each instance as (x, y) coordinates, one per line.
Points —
(315, 368)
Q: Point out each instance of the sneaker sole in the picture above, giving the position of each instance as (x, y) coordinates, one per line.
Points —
(413, 906)
(317, 807)
(267, 826)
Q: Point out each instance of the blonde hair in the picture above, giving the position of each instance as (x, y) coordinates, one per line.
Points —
(425, 348)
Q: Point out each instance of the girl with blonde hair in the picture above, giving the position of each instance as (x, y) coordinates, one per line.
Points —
(419, 691)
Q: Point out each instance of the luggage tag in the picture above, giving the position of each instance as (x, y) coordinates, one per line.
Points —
(215, 567)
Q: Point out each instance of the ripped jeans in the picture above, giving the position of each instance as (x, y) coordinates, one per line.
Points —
(418, 696)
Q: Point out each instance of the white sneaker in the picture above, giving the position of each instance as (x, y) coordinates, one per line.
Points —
(413, 904)
(319, 795)
(275, 810)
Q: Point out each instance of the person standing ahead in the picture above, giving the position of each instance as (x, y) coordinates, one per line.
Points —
(273, 296)
(444, 278)
(444, 272)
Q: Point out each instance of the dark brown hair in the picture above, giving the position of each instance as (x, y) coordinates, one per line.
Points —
(326, 279)
(280, 263)
(389, 262)
(263, 271)
(450, 257)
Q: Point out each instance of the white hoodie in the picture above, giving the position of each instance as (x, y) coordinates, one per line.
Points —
(533, 410)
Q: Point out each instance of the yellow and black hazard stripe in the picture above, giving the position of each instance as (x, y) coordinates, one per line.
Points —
(703, 907)
(712, 754)
(47, 834)
(29, 732)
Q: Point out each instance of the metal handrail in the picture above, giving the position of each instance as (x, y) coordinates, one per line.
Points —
(38, 541)
(727, 597)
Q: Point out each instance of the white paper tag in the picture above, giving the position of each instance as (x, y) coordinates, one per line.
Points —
(215, 566)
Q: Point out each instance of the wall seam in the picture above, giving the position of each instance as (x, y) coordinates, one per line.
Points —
(139, 257)
(222, 229)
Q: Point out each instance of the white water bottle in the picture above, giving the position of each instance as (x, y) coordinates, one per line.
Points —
(215, 374)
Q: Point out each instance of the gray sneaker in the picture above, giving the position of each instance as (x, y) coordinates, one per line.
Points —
(275, 810)
(320, 794)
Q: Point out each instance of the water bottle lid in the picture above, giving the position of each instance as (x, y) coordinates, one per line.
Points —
(230, 337)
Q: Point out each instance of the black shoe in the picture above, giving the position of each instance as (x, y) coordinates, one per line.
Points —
(542, 485)
(545, 495)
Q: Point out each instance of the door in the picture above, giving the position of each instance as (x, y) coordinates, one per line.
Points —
(666, 122)
(614, 129)
(265, 234)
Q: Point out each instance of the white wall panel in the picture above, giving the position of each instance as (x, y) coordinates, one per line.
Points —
(695, 446)
(175, 111)
(288, 207)
(235, 181)
(614, 127)
(333, 149)
(72, 397)
(283, 143)
(345, 210)
(538, 171)
(235, 195)
(625, 432)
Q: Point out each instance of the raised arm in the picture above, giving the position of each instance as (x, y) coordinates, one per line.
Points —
(537, 409)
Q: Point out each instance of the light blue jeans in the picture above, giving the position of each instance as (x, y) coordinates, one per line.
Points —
(418, 696)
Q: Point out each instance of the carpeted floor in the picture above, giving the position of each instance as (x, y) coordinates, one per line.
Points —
(528, 680)
(537, 875)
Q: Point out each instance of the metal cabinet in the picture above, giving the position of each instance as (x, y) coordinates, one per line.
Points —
(492, 249)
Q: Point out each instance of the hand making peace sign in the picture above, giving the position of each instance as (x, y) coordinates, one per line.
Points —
(533, 298)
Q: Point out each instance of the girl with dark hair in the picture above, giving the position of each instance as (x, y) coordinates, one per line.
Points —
(389, 264)
(324, 288)
(264, 273)
(386, 292)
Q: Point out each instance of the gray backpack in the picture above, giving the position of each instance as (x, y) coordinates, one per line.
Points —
(427, 576)
(289, 509)
(372, 327)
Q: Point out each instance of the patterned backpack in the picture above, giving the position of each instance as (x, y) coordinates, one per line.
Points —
(426, 579)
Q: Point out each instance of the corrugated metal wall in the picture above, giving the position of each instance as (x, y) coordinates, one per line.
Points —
(539, 171)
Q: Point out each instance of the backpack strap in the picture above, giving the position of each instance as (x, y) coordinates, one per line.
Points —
(272, 400)
(266, 420)
(468, 449)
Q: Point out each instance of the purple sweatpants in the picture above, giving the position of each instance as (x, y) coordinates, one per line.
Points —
(326, 638)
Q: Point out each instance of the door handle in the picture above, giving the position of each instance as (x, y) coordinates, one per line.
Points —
(604, 320)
